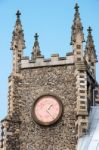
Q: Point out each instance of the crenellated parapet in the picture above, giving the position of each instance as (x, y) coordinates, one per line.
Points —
(55, 60)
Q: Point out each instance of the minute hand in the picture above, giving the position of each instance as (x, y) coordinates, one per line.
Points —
(49, 114)
(50, 107)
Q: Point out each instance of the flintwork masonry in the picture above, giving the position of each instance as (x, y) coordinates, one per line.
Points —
(72, 78)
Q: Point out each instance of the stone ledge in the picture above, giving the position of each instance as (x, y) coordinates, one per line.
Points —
(82, 113)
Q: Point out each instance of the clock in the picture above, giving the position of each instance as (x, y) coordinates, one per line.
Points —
(46, 110)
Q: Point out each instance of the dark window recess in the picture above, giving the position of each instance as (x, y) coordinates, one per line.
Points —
(83, 117)
(83, 97)
(82, 107)
(19, 55)
(78, 46)
(82, 81)
(1, 145)
(83, 123)
(16, 46)
(81, 76)
(82, 86)
(84, 130)
(81, 71)
(82, 102)
(92, 64)
(79, 52)
(78, 59)
(82, 91)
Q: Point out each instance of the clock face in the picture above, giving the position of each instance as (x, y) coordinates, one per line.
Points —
(47, 110)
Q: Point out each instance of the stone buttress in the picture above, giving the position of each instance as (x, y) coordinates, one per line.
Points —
(11, 123)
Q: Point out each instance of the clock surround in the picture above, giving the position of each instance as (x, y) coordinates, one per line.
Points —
(47, 109)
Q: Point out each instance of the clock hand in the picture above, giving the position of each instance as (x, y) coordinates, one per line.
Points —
(50, 107)
(49, 114)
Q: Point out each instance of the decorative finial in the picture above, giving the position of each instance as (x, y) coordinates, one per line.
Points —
(77, 27)
(18, 14)
(89, 29)
(76, 7)
(36, 37)
(18, 35)
(36, 48)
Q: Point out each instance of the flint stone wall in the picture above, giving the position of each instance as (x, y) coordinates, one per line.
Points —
(57, 80)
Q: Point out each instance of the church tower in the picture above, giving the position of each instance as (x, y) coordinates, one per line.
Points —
(49, 99)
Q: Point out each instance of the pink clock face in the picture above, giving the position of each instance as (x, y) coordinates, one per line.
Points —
(47, 110)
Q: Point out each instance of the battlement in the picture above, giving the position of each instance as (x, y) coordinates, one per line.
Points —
(55, 60)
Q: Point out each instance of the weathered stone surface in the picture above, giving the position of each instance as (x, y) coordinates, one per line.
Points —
(59, 81)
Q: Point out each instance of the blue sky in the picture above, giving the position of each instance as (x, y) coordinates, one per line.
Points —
(52, 19)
